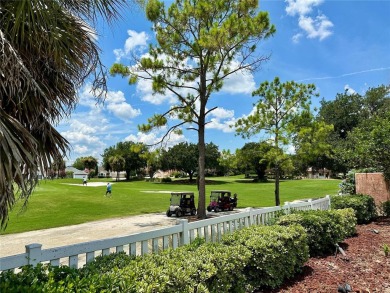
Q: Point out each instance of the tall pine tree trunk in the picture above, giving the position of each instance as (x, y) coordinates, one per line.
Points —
(277, 176)
(201, 166)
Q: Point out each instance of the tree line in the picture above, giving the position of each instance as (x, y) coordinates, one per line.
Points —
(348, 132)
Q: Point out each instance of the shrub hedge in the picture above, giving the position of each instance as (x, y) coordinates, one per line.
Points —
(277, 253)
(363, 205)
(324, 228)
(385, 208)
(266, 257)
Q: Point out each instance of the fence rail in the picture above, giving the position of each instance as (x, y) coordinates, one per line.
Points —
(156, 240)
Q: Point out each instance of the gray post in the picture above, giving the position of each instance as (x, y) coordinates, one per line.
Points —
(287, 203)
(251, 220)
(311, 204)
(34, 253)
(328, 197)
(185, 239)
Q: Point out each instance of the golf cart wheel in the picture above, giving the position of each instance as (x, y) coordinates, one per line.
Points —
(169, 213)
(209, 209)
(178, 213)
(216, 210)
(230, 208)
(193, 212)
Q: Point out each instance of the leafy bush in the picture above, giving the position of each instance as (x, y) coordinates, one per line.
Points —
(363, 205)
(348, 221)
(104, 264)
(277, 253)
(166, 179)
(385, 208)
(29, 279)
(210, 268)
(324, 228)
(347, 186)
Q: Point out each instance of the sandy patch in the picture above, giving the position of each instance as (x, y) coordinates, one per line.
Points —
(90, 184)
(156, 191)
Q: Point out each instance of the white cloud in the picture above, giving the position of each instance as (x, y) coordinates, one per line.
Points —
(155, 137)
(82, 127)
(314, 26)
(135, 41)
(123, 111)
(79, 137)
(222, 119)
(296, 38)
(349, 90)
(221, 113)
(241, 82)
(117, 105)
(224, 126)
(301, 7)
(115, 102)
(81, 149)
(144, 89)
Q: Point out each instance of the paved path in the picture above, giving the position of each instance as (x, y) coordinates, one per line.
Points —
(11, 244)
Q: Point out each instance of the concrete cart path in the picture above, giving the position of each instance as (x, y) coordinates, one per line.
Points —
(11, 244)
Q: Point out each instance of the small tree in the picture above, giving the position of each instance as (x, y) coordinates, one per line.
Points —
(199, 44)
(183, 157)
(252, 156)
(278, 109)
(228, 162)
(131, 152)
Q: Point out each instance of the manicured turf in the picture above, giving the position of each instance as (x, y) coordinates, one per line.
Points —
(55, 203)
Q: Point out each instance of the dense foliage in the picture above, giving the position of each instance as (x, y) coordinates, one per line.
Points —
(385, 208)
(277, 253)
(324, 228)
(125, 156)
(361, 124)
(363, 205)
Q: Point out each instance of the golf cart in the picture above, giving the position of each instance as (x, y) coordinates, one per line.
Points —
(221, 200)
(182, 203)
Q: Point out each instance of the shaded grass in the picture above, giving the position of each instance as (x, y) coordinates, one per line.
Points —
(54, 203)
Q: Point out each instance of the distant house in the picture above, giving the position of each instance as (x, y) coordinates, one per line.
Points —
(321, 173)
(103, 173)
(77, 174)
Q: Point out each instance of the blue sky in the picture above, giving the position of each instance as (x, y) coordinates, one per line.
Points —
(336, 45)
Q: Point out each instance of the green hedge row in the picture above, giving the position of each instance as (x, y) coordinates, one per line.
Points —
(266, 257)
(363, 205)
(324, 228)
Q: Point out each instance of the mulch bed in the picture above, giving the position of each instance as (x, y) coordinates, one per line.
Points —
(365, 267)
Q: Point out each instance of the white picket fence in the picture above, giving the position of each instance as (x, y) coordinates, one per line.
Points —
(153, 241)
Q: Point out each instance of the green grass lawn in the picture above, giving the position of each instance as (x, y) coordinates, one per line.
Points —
(55, 203)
